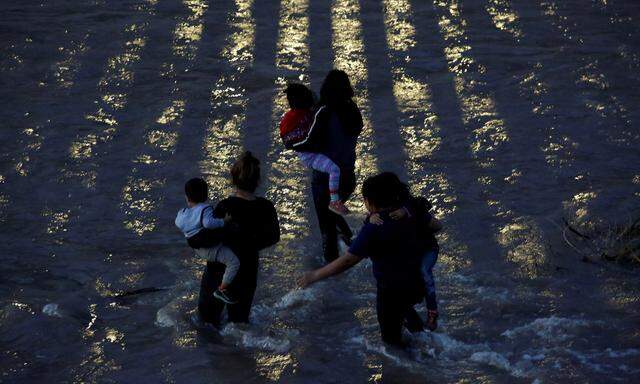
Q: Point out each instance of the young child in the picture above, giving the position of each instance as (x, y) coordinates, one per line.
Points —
(427, 227)
(295, 128)
(203, 232)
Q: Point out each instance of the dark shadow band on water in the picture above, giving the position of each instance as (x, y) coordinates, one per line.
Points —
(320, 50)
(605, 153)
(472, 222)
(259, 82)
(385, 115)
(196, 87)
(33, 35)
(30, 89)
(115, 158)
(612, 139)
(65, 121)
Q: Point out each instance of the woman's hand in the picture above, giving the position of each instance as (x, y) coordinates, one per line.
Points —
(375, 219)
(306, 279)
(399, 214)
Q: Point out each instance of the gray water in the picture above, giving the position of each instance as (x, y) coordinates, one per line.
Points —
(510, 115)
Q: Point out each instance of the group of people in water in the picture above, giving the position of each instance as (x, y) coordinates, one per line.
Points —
(398, 234)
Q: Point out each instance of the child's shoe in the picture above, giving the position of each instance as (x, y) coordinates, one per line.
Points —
(223, 295)
(338, 207)
(432, 319)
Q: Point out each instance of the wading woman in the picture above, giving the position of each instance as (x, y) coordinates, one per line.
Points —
(255, 228)
(335, 134)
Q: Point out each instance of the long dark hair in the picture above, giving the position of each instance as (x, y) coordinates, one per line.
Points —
(336, 88)
(245, 172)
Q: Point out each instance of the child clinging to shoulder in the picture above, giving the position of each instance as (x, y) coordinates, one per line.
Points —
(295, 129)
(418, 207)
(203, 231)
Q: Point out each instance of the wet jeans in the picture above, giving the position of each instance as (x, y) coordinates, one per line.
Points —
(428, 261)
(393, 308)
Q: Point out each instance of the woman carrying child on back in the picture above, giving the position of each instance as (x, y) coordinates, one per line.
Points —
(295, 129)
(333, 133)
(427, 226)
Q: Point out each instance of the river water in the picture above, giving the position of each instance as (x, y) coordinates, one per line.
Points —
(510, 115)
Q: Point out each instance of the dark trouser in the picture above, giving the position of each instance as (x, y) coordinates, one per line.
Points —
(242, 288)
(393, 307)
(329, 222)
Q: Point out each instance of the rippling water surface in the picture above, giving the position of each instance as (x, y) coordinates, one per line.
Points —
(510, 115)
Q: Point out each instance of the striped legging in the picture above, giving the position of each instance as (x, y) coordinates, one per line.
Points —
(322, 163)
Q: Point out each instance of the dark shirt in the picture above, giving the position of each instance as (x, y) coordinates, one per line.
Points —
(254, 227)
(394, 250)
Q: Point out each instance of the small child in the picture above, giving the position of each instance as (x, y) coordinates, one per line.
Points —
(427, 227)
(295, 128)
(202, 230)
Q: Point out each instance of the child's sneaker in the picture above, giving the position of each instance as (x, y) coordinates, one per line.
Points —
(224, 296)
(338, 207)
(432, 319)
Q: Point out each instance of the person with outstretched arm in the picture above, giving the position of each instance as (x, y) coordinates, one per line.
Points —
(395, 252)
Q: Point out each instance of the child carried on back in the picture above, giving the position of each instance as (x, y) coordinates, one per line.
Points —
(203, 232)
(295, 128)
(427, 227)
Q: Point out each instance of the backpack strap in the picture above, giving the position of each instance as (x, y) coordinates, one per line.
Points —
(315, 117)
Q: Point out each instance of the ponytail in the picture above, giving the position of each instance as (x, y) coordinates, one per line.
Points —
(245, 172)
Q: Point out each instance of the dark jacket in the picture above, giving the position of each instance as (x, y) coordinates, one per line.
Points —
(335, 133)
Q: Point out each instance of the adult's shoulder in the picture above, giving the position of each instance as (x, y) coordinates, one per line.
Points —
(264, 203)
(369, 230)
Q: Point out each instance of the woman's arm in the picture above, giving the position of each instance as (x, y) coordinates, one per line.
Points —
(335, 267)
(435, 225)
(269, 228)
(351, 118)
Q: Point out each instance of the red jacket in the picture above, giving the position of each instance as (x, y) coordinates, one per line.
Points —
(295, 126)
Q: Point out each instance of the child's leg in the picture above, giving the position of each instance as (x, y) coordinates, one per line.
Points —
(428, 261)
(226, 256)
(322, 163)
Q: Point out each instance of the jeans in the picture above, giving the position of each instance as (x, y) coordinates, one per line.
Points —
(243, 289)
(393, 308)
(428, 261)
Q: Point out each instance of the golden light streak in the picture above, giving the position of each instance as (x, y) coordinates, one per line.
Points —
(32, 143)
(189, 31)
(504, 17)
(599, 99)
(138, 203)
(348, 47)
(478, 108)
(272, 366)
(223, 142)
(287, 176)
(521, 236)
(419, 126)
(114, 85)
(65, 70)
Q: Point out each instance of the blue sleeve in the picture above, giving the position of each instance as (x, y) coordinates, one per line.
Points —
(363, 245)
(209, 220)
